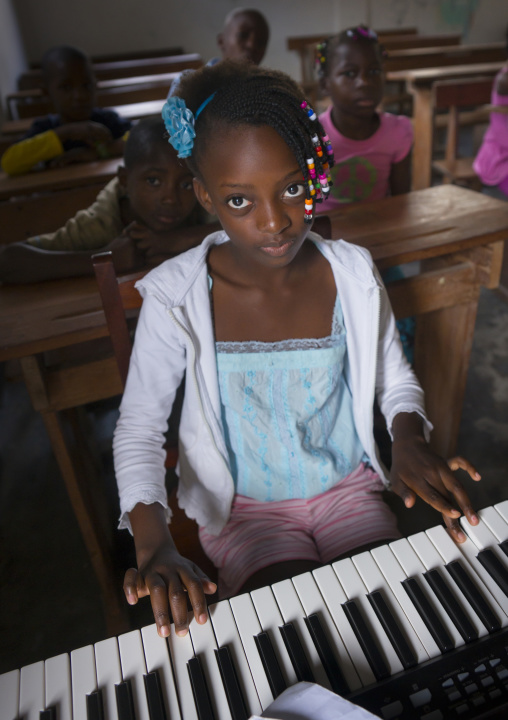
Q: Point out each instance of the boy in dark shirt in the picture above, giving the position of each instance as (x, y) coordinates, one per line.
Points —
(78, 131)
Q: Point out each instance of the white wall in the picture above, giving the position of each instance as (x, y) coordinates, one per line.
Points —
(12, 54)
(107, 26)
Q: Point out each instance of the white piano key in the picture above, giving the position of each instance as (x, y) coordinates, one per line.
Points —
(502, 509)
(83, 678)
(204, 643)
(248, 626)
(394, 575)
(313, 602)
(292, 612)
(334, 596)
(226, 634)
(355, 590)
(495, 522)
(109, 674)
(271, 620)
(9, 692)
(450, 552)
(31, 691)
(469, 550)
(431, 558)
(132, 660)
(181, 651)
(484, 539)
(157, 660)
(413, 567)
(57, 674)
(374, 580)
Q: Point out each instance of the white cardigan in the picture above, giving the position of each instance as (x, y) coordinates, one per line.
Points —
(175, 337)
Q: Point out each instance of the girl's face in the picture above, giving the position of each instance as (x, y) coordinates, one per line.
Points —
(355, 80)
(251, 180)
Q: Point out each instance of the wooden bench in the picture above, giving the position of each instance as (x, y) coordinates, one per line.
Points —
(123, 68)
(116, 92)
(441, 57)
(21, 218)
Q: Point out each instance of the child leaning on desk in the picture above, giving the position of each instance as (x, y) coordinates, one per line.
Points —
(284, 340)
(77, 131)
(145, 215)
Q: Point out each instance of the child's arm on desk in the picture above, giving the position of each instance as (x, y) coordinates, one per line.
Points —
(25, 263)
(416, 470)
(158, 247)
(25, 154)
(163, 573)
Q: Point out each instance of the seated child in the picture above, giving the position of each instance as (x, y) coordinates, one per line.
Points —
(145, 215)
(372, 149)
(284, 340)
(78, 131)
(491, 162)
(244, 37)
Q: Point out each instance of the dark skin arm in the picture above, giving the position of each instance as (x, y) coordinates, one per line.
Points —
(400, 176)
(164, 574)
(502, 81)
(157, 247)
(416, 470)
(24, 263)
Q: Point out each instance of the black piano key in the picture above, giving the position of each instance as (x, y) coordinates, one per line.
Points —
(234, 695)
(504, 547)
(450, 604)
(154, 698)
(392, 629)
(367, 642)
(326, 655)
(94, 706)
(296, 653)
(200, 690)
(124, 701)
(270, 664)
(426, 611)
(473, 596)
(495, 568)
(48, 714)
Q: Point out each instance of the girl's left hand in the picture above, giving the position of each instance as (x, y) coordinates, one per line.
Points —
(416, 470)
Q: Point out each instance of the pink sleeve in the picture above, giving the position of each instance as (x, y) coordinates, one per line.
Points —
(403, 135)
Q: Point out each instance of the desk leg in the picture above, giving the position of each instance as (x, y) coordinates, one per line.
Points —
(422, 148)
(442, 349)
(76, 471)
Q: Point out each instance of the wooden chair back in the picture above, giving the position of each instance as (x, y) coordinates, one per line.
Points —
(119, 296)
(454, 96)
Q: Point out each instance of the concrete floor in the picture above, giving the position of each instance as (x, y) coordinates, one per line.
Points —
(48, 594)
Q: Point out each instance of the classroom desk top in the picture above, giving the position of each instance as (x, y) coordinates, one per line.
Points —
(77, 175)
(426, 76)
(424, 224)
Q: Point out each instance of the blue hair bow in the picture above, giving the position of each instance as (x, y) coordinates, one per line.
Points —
(179, 122)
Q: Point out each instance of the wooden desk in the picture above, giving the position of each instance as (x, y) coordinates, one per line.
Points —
(440, 57)
(461, 230)
(78, 175)
(419, 83)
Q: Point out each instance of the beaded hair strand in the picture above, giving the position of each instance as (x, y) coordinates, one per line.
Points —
(236, 94)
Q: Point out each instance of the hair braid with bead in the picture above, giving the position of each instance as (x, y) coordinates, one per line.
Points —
(240, 94)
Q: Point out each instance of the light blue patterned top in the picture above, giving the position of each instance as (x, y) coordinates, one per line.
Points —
(287, 415)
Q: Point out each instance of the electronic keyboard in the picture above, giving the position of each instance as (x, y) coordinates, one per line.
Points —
(417, 628)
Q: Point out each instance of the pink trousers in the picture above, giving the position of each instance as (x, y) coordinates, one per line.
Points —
(259, 534)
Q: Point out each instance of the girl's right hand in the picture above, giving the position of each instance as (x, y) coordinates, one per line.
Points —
(169, 579)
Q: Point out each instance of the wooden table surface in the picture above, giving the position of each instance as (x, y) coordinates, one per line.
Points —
(424, 224)
(419, 84)
(77, 175)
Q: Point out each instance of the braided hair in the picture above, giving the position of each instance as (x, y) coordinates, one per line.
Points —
(326, 49)
(244, 94)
